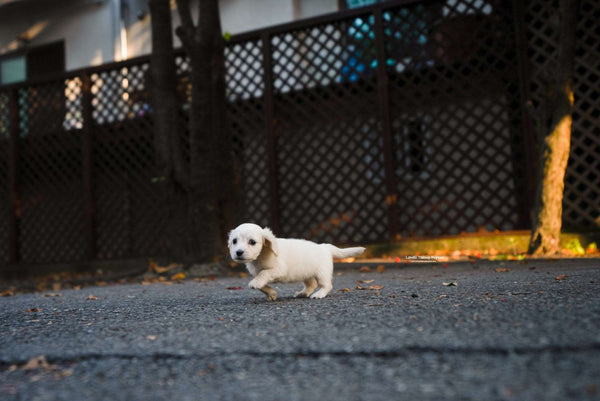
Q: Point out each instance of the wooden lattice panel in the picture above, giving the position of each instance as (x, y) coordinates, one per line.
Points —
(4, 179)
(50, 179)
(130, 209)
(453, 113)
(245, 91)
(329, 148)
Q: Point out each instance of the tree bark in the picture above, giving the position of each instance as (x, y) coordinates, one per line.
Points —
(555, 144)
(212, 197)
(171, 170)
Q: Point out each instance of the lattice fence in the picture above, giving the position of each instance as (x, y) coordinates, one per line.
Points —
(130, 210)
(245, 93)
(454, 96)
(395, 120)
(329, 147)
(4, 177)
(50, 179)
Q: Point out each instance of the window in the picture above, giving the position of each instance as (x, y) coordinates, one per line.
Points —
(13, 70)
(32, 62)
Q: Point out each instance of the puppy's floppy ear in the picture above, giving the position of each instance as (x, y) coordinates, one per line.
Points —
(270, 240)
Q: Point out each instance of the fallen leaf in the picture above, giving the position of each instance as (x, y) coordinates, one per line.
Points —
(346, 260)
(34, 310)
(178, 276)
(154, 267)
(234, 288)
(344, 290)
(38, 362)
(502, 269)
(52, 295)
(364, 281)
(56, 286)
(101, 283)
(561, 277)
(243, 274)
(371, 287)
(92, 297)
(365, 269)
(151, 337)
(451, 284)
(380, 269)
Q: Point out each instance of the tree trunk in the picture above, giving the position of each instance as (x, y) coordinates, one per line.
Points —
(162, 85)
(555, 144)
(212, 197)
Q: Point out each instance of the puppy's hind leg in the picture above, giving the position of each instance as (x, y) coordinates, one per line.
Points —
(324, 287)
(270, 292)
(309, 286)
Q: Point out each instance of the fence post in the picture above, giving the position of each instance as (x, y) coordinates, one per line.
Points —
(386, 126)
(270, 131)
(87, 161)
(13, 180)
(530, 142)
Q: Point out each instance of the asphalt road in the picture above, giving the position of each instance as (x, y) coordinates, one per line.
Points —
(496, 335)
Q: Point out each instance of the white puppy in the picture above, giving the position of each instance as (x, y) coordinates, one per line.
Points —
(272, 260)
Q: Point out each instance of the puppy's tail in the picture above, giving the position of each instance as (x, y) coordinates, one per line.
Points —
(343, 253)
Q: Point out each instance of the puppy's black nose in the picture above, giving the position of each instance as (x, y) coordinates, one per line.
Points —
(239, 252)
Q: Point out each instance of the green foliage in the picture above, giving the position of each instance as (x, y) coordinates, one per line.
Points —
(575, 246)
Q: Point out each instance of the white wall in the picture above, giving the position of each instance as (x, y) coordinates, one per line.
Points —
(86, 27)
(90, 28)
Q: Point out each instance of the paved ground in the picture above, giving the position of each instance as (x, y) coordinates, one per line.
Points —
(515, 335)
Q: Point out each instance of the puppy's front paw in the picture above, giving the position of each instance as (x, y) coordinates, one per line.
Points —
(254, 285)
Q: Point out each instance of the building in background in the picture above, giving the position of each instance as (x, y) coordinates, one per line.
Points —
(40, 38)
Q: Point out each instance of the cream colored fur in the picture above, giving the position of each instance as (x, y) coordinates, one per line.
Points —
(281, 260)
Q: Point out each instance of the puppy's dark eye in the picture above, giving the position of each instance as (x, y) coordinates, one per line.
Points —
(252, 242)
(234, 241)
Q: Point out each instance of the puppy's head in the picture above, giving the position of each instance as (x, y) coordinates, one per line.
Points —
(247, 241)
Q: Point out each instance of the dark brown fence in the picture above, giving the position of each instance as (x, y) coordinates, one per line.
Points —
(409, 118)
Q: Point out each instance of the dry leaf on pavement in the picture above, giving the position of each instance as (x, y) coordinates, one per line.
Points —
(371, 287)
(178, 276)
